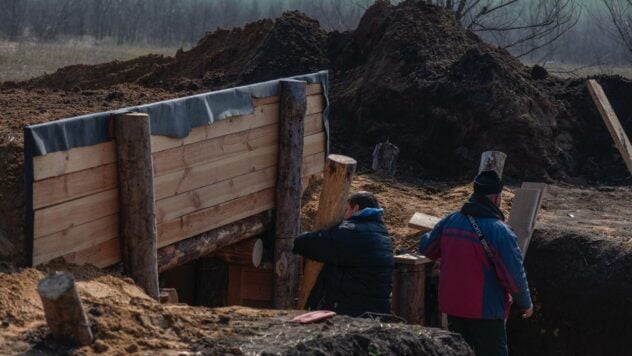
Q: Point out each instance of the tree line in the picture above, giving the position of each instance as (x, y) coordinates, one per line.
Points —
(580, 31)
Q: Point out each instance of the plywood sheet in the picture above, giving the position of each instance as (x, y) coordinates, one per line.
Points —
(423, 222)
(523, 214)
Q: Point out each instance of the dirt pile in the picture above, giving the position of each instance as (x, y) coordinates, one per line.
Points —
(125, 320)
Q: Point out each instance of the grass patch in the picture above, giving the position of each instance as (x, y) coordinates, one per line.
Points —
(24, 60)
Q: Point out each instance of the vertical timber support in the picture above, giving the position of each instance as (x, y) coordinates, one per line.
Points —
(64, 313)
(338, 175)
(137, 208)
(292, 108)
(493, 161)
(410, 279)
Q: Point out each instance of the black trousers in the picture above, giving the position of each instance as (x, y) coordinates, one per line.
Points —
(488, 337)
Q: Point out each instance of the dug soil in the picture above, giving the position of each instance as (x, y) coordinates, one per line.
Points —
(412, 75)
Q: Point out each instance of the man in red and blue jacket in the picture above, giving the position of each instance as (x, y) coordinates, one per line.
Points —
(477, 287)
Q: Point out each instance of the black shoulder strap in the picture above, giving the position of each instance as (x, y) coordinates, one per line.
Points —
(481, 237)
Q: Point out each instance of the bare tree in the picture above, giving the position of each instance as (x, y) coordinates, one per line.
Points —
(621, 15)
(521, 25)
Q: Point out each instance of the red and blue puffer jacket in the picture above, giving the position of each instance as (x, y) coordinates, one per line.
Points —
(468, 286)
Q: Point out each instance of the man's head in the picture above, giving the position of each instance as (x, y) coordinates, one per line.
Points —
(488, 183)
(358, 201)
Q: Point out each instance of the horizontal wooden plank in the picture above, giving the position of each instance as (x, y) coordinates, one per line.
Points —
(310, 90)
(181, 204)
(76, 212)
(208, 219)
(101, 255)
(75, 239)
(313, 89)
(226, 213)
(74, 185)
(217, 148)
(73, 160)
(206, 174)
(423, 222)
(264, 115)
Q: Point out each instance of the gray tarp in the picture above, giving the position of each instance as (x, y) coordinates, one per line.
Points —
(174, 118)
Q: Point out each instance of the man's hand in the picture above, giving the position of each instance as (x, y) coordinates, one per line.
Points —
(526, 314)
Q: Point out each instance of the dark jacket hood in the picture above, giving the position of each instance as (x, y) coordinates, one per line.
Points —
(479, 206)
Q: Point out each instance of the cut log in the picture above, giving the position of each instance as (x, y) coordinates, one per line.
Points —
(423, 222)
(64, 313)
(292, 108)
(205, 244)
(338, 175)
(248, 252)
(168, 295)
(136, 200)
(612, 122)
(493, 161)
(385, 158)
(410, 277)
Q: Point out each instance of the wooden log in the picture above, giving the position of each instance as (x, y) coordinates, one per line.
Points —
(205, 244)
(136, 199)
(410, 276)
(338, 175)
(168, 295)
(385, 158)
(493, 161)
(292, 108)
(64, 313)
(248, 252)
(612, 122)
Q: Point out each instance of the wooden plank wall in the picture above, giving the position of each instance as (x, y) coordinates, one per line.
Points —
(218, 174)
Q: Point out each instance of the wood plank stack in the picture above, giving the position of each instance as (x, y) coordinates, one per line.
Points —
(219, 174)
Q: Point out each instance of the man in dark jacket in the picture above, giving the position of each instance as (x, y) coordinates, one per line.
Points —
(358, 254)
(479, 278)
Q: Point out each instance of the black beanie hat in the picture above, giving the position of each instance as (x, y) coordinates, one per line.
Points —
(488, 182)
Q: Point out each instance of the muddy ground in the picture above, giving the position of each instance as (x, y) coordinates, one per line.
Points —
(409, 73)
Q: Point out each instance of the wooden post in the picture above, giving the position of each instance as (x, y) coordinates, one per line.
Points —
(63, 310)
(202, 245)
(137, 210)
(385, 158)
(338, 175)
(493, 161)
(292, 109)
(410, 280)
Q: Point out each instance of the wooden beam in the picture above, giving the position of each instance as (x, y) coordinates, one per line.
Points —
(423, 222)
(247, 252)
(73, 160)
(74, 185)
(207, 243)
(493, 161)
(612, 122)
(64, 313)
(338, 175)
(136, 198)
(410, 276)
(524, 211)
(292, 111)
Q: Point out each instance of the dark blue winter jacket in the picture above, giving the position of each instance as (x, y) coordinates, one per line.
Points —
(358, 272)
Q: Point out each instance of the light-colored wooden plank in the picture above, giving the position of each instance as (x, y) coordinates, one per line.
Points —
(234, 165)
(76, 212)
(218, 148)
(315, 104)
(75, 239)
(210, 218)
(314, 124)
(612, 122)
(75, 185)
(73, 160)
(228, 212)
(181, 204)
(264, 115)
(267, 100)
(523, 214)
(423, 222)
(542, 187)
(101, 255)
(313, 89)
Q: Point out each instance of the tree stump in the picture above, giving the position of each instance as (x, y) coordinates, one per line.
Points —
(385, 158)
(292, 107)
(137, 209)
(338, 175)
(64, 313)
